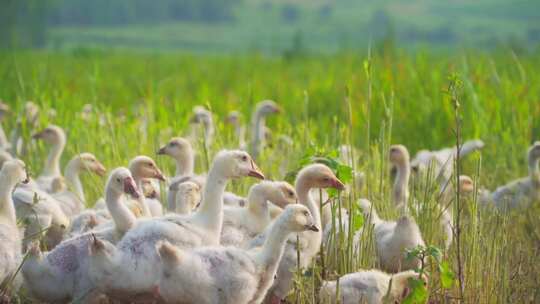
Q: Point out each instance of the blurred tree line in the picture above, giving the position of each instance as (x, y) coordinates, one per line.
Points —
(24, 22)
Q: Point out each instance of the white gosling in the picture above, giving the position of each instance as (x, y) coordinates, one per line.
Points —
(368, 286)
(521, 192)
(43, 214)
(240, 225)
(73, 199)
(62, 275)
(56, 138)
(312, 176)
(135, 277)
(441, 162)
(229, 275)
(13, 172)
(393, 239)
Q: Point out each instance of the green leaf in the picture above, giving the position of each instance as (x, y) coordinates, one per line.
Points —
(344, 173)
(358, 219)
(447, 275)
(418, 294)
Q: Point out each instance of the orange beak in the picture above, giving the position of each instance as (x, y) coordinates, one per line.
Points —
(159, 176)
(100, 169)
(337, 184)
(255, 171)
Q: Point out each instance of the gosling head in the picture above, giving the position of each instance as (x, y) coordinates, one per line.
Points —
(200, 115)
(32, 112)
(288, 192)
(466, 184)
(90, 163)
(191, 192)
(236, 164)
(399, 155)
(400, 284)
(176, 147)
(266, 107)
(121, 182)
(15, 169)
(148, 189)
(534, 151)
(298, 218)
(233, 118)
(318, 176)
(51, 135)
(145, 167)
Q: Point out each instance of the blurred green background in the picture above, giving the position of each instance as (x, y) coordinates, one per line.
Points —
(268, 26)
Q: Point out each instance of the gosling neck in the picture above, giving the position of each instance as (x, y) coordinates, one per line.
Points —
(302, 189)
(7, 208)
(72, 172)
(274, 245)
(123, 218)
(4, 143)
(258, 125)
(257, 202)
(210, 213)
(400, 191)
(52, 166)
(534, 171)
(185, 164)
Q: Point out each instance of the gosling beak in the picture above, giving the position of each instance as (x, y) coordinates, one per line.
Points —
(161, 151)
(130, 187)
(313, 228)
(158, 175)
(100, 170)
(27, 178)
(255, 171)
(37, 135)
(337, 184)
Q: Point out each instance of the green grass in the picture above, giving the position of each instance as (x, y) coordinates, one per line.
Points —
(499, 103)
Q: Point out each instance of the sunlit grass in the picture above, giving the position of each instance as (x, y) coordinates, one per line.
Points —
(147, 98)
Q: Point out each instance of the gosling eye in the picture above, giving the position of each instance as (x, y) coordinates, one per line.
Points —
(291, 193)
(306, 213)
(244, 158)
(118, 179)
(173, 144)
(326, 179)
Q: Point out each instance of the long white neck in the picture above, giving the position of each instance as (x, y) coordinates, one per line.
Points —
(210, 213)
(534, 171)
(209, 131)
(71, 174)
(258, 125)
(257, 203)
(142, 200)
(7, 208)
(123, 218)
(305, 199)
(3, 138)
(400, 190)
(52, 166)
(274, 245)
(240, 131)
(185, 164)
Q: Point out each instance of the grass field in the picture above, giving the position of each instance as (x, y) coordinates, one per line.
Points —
(368, 101)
